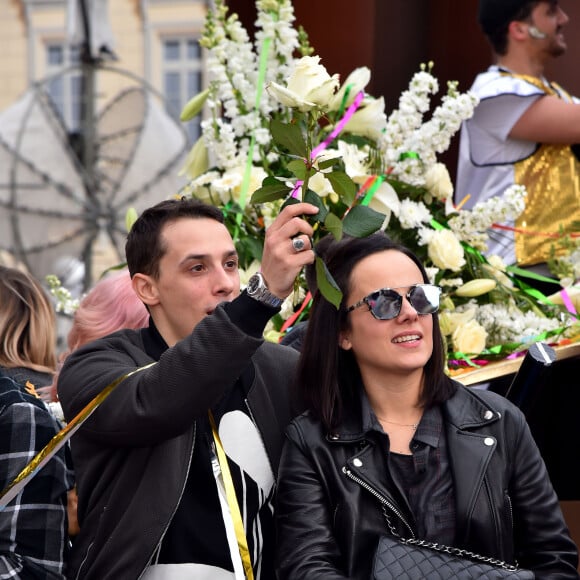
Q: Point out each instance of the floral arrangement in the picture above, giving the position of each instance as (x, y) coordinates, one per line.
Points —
(279, 128)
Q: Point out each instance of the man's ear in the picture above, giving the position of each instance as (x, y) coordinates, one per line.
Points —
(145, 287)
(518, 30)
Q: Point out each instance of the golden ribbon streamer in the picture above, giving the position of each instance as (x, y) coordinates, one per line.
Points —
(57, 442)
(232, 501)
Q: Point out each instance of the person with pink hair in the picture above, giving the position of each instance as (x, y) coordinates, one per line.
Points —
(109, 306)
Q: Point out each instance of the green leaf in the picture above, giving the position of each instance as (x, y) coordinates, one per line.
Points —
(327, 285)
(289, 136)
(298, 168)
(334, 225)
(326, 163)
(271, 190)
(343, 185)
(362, 221)
(289, 201)
(313, 198)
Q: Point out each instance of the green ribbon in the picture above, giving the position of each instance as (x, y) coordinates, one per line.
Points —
(265, 48)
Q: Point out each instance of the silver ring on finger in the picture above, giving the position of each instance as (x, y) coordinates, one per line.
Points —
(298, 244)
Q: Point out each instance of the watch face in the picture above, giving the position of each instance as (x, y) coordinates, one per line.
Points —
(253, 284)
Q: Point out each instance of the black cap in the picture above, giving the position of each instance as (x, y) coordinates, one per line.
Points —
(493, 14)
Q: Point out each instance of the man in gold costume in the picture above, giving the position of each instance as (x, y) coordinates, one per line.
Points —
(523, 131)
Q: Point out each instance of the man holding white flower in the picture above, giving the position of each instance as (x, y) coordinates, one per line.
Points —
(154, 495)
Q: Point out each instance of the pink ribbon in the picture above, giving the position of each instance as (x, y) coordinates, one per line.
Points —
(332, 135)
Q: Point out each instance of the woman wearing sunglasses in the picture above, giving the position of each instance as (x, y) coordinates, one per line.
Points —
(390, 443)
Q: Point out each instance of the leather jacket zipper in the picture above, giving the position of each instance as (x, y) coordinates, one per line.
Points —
(176, 505)
(380, 497)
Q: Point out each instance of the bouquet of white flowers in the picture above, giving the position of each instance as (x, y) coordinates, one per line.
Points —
(279, 128)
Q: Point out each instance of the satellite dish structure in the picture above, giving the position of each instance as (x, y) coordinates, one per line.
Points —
(64, 196)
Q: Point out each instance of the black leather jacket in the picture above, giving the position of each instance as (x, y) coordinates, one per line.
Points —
(332, 486)
(132, 456)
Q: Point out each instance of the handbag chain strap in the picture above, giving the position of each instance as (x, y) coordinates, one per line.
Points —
(448, 549)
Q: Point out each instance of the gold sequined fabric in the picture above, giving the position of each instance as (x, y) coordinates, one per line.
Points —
(552, 180)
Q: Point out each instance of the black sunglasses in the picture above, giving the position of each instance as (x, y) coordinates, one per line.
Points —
(386, 304)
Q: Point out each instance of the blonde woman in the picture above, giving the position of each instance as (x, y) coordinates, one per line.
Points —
(27, 329)
(33, 525)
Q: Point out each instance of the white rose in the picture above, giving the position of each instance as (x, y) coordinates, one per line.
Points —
(356, 82)
(445, 251)
(386, 201)
(469, 338)
(450, 321)
(369, 120)
(308, 86)
(320, 185)
(438, 182)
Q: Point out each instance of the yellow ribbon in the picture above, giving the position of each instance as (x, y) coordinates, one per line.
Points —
(232, 501)
(56, 443)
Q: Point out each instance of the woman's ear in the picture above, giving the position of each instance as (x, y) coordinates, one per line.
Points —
(344, 341)
(145, 287)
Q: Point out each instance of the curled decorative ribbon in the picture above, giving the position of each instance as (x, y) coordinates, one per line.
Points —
(57, 442)
(290, 321)
(568, 303)
(531, 233)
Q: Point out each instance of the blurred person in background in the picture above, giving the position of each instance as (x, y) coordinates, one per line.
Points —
(33, 525)
(525, 130)
(27, 329)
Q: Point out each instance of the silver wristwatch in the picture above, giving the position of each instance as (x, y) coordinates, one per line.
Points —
(258, 290)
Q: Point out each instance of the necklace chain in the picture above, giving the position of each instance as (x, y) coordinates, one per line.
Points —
(410, 425)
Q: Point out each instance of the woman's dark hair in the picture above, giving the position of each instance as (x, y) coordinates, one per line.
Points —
(328, 378)
(144, 247)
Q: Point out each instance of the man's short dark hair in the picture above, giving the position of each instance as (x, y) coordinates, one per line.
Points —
(494, 17)
(144, 247)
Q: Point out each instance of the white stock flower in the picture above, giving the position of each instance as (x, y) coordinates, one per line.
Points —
(308, 86)
(216, 189)
(445, 251)
(412, 214)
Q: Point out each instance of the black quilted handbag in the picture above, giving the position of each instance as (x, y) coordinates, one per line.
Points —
(407, 559)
